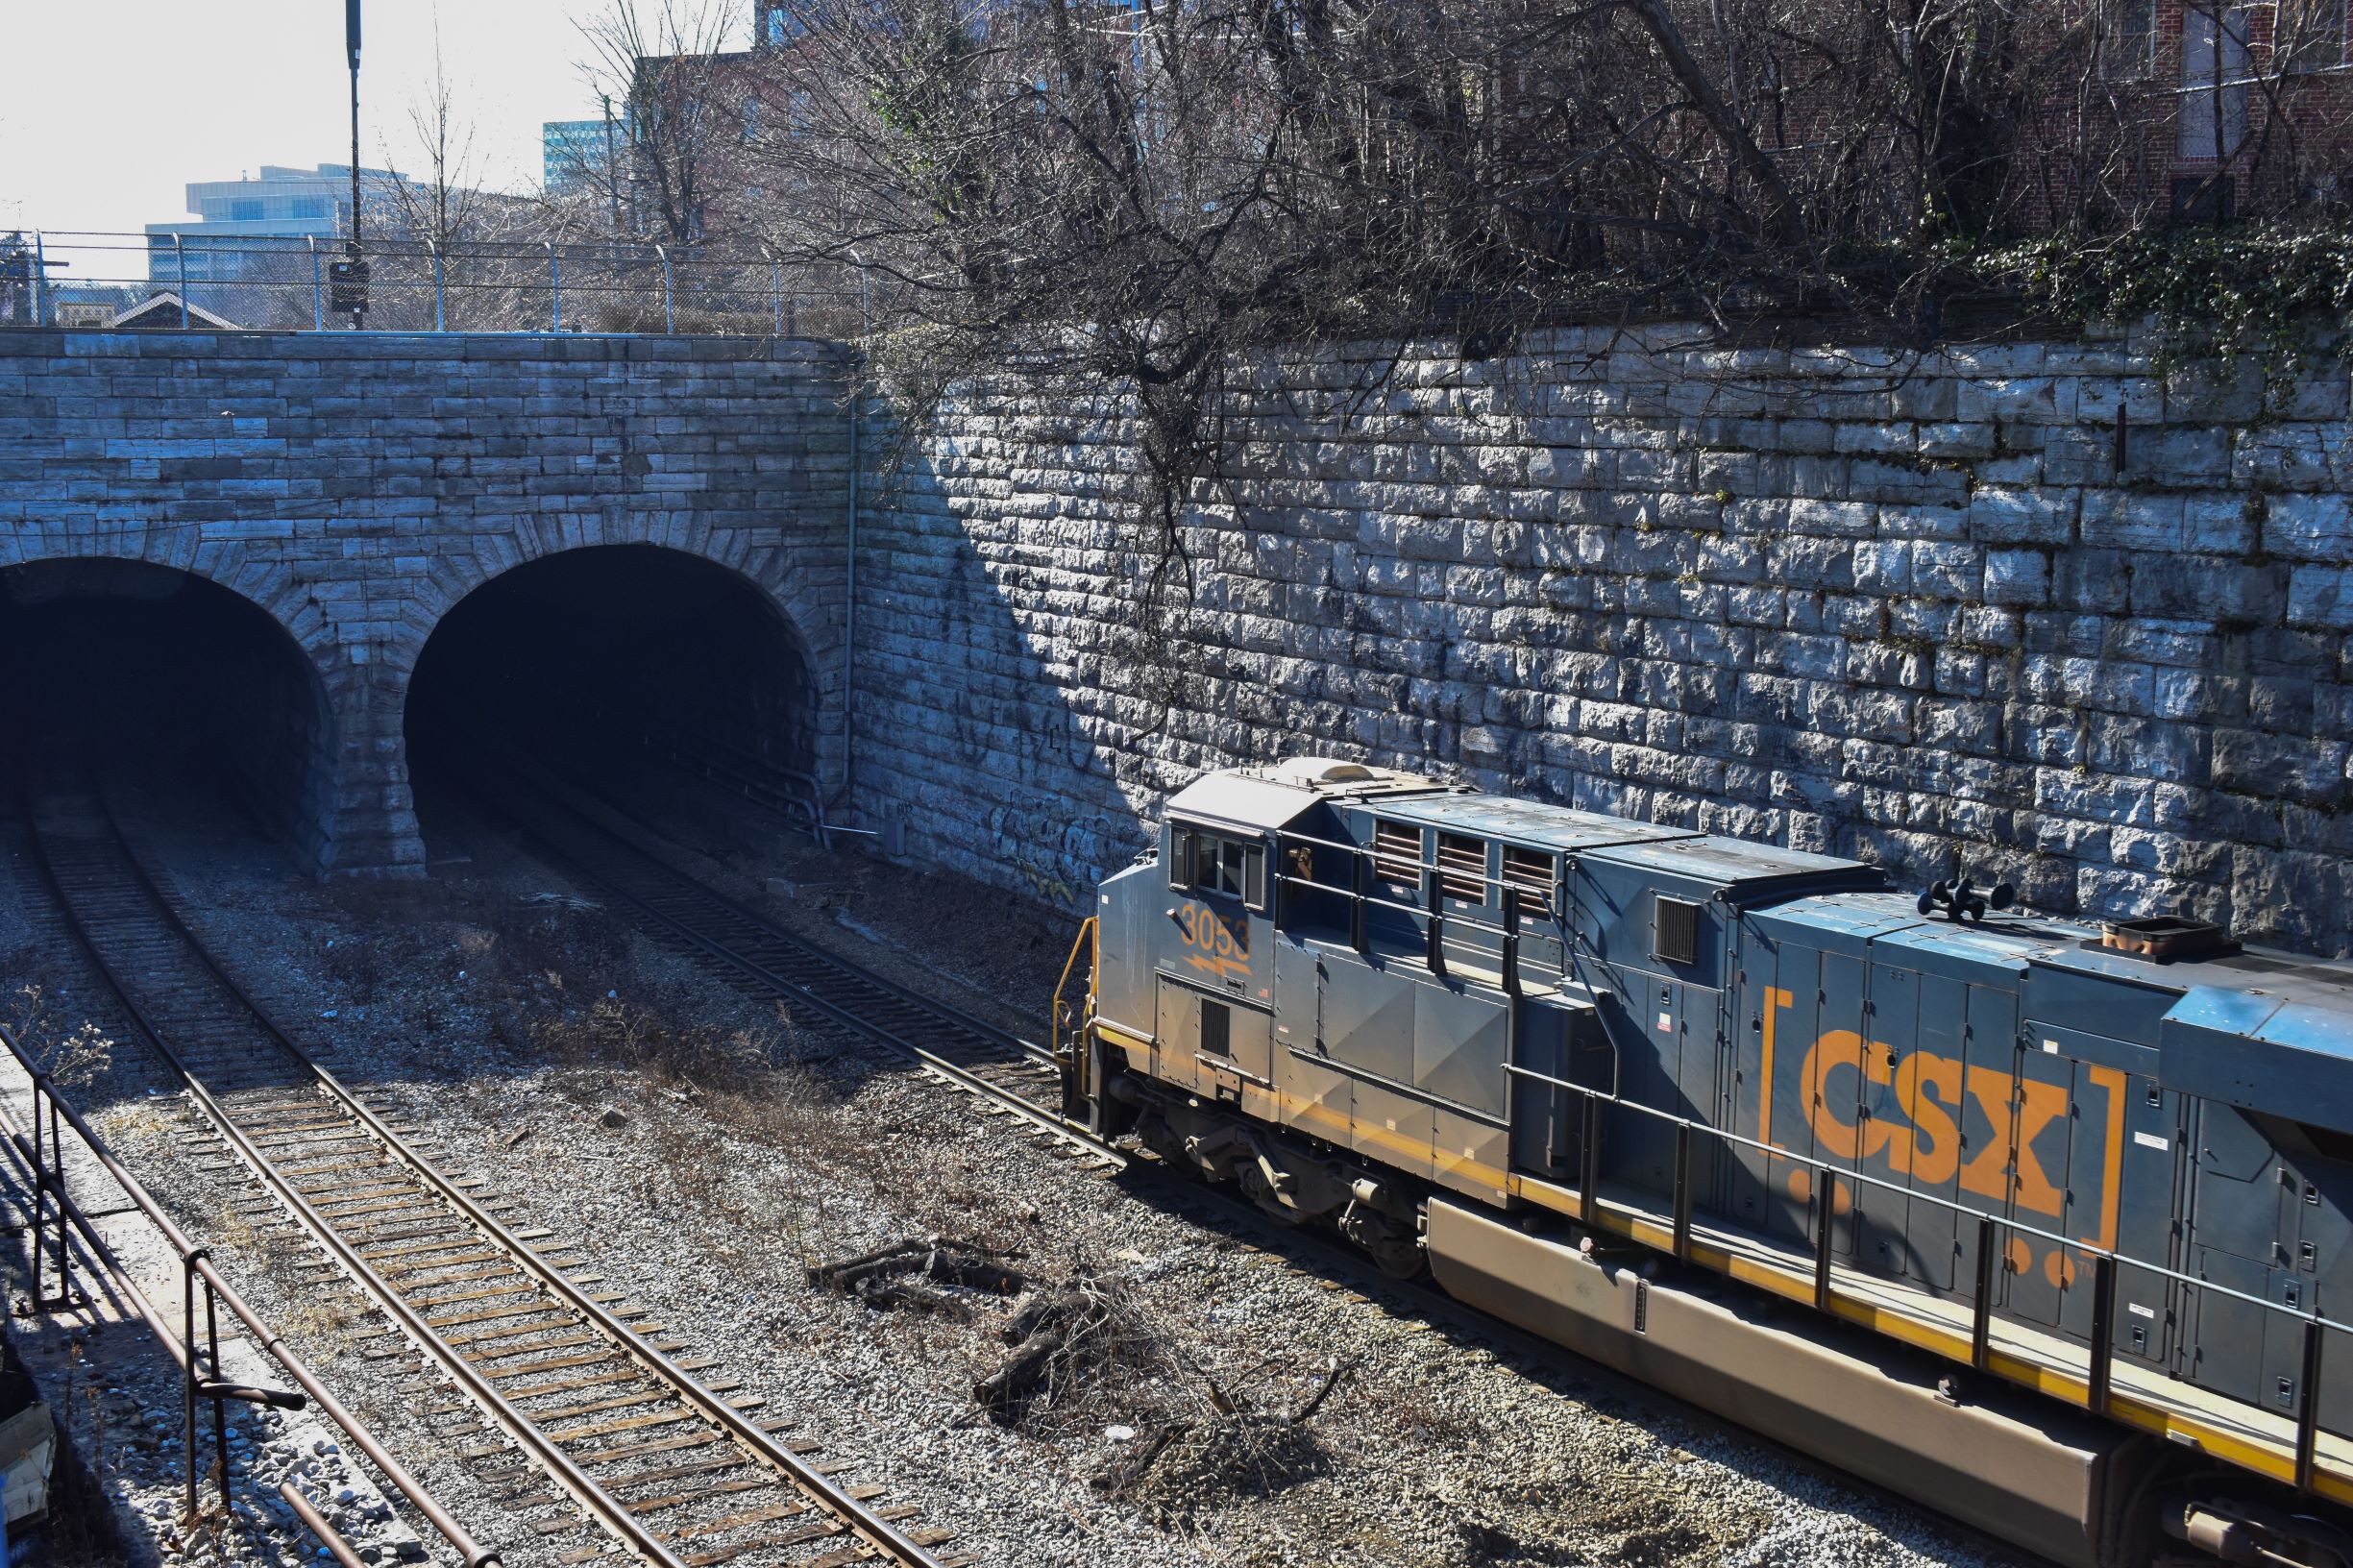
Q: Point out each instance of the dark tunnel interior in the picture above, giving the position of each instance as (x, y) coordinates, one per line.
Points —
(168, 683)
(614, 667)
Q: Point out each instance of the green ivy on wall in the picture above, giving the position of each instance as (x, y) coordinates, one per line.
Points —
(2277, 292)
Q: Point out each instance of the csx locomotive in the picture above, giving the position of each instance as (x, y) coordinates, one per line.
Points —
(2036, 1223)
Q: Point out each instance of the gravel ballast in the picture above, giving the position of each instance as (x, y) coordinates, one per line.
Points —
(707, 1151)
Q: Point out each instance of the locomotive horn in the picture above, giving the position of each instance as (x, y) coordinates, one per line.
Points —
(1962, 901)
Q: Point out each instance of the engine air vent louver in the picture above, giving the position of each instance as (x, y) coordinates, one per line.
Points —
(1675, 930)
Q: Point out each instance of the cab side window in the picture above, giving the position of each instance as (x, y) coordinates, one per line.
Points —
(1208, 862)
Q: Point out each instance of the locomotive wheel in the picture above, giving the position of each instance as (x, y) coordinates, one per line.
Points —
(1396, 1251)
(1253, 1183)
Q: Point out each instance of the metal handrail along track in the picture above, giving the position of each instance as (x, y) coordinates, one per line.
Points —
(878, 1533)
(195, 1260)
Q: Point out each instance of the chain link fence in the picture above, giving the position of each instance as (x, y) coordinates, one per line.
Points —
(211, 282)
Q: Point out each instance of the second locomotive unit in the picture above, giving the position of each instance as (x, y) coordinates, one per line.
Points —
(2038, 1223)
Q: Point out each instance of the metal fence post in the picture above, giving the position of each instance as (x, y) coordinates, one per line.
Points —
(218, 1381)
(669, 320)
(555, 290)
(41, 276)
(318, 291)
(187, 1383)
(179, 259)
(440, 321)
(775, 269)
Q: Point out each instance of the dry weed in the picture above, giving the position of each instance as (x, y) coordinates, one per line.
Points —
(75, 1056)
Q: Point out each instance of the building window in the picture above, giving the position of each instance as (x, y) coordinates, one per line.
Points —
(1397, 855)
(308, 207)
(2128, 47)
(2313, 36)
(245, 209)
(1463, 868)
(2214, 78)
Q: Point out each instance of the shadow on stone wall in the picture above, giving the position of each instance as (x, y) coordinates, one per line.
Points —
(1930, 610)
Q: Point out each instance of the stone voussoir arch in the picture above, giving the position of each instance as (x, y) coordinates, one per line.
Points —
(798, 580)
(271, 586)
(334, 811)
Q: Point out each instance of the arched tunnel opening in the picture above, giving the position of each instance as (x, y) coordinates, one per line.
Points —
(619, 669)
(166, 685)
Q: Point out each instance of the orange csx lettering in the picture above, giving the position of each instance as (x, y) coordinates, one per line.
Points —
(1929, 1090)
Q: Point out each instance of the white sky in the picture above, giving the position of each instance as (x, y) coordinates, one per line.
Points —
(109, 111)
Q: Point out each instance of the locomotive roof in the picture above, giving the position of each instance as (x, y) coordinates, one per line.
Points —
(1531, 822)
(1270, 797)
(1737, 861)
(1273, 797)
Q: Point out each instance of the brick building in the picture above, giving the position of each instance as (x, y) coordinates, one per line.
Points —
(2238, 105)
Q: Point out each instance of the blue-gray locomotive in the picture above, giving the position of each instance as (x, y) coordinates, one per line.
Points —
(2040, 1224)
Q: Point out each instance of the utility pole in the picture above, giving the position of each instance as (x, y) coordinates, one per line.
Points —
(612, 165)
(349, 276)
(351, 43)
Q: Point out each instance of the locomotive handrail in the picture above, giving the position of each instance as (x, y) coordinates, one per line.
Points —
(1056, 1029)
(2106, 1261)
(2091, 1248)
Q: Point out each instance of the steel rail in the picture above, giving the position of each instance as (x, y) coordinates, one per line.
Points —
(861, 1521)
(267, 1339)
(1016, 1104)
(557, 790)
(855, 1517)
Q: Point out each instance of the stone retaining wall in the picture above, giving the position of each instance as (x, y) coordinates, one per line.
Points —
(1912, 608)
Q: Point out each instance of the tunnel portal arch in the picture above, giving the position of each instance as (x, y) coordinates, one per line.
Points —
(621, 648)
(150, 667)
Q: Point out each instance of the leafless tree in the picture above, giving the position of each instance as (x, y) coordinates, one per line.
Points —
(487, 242)
(1138, 188)
(1141, 194)
(442, 205)
(665, 60)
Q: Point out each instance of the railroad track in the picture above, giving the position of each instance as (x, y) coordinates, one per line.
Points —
(1017, 1078)
(1012, 1076)
(577, 1380)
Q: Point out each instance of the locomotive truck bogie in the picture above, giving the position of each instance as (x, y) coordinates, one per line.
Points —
(2108, 1169)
